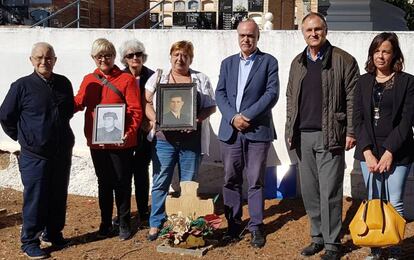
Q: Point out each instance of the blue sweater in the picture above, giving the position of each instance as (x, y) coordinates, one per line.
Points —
(36, 113)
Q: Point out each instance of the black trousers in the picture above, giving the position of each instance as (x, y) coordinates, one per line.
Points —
(112, 167)
(45, 183)
(140, 169)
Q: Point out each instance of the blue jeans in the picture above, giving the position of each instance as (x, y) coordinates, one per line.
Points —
(165, 156)
(394, 185)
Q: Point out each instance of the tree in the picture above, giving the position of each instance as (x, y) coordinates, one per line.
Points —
(408, 8)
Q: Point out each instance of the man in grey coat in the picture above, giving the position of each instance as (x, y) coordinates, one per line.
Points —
(319, 126)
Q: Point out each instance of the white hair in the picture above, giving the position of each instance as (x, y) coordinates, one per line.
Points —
(133, 45)
(42, 44)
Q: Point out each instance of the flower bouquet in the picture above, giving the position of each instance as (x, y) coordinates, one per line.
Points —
(188, 231)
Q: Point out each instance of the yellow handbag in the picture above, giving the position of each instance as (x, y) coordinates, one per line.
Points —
(377, 223)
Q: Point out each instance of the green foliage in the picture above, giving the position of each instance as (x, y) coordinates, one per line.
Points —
(409, 11)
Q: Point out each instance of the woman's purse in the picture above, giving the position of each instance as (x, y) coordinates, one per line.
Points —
(377, 223)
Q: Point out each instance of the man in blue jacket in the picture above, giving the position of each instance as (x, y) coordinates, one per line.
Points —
(36, 113)
(247, 90)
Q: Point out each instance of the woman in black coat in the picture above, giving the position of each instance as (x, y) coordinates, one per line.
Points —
(133, 56)
(383, 119)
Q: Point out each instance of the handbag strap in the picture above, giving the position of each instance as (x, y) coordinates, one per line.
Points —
(382, 201)
(159, 74)
(108, 84)
(383, 197)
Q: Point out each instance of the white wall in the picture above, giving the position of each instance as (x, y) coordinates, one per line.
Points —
(72, 47)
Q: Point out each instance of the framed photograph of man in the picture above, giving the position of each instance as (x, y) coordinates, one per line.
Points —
(108, 124)
(177, 106)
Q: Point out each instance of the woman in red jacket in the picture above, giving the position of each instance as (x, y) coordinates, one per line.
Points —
(111, 161)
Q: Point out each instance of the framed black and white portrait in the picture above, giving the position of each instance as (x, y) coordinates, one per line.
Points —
(177, 106)
(108, 124)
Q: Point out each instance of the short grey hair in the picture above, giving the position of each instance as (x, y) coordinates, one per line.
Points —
(42, 44)
(133, 45)
(250, 20)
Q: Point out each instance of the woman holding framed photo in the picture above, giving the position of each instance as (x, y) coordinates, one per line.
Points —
(106, 89)
(182, 147)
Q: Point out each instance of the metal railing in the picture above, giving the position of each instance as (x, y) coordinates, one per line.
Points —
(77, 20)
(133, 21)
(8, 15)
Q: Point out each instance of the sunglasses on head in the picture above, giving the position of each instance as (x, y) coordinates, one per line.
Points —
(131, 55)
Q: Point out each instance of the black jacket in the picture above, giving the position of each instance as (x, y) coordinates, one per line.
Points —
(38, 115)
(400, 141)
(145, 74)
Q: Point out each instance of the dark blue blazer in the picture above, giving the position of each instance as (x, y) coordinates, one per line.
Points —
(260, 95)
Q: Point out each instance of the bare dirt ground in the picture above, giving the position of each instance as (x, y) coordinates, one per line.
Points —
(285, 223)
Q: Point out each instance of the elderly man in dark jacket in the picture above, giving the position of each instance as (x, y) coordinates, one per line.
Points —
(36, 113)
(319, 125)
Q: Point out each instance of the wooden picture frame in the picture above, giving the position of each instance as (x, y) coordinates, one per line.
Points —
(176, 106)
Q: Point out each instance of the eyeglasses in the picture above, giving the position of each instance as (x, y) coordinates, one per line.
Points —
(103, 56)
(132, 55)
(47, 59)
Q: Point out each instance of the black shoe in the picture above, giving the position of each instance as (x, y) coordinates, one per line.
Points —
(233, 233)
(44, 240)
(312, 249)
(258, 239)
(143, 221)
(153, 236)
(230, 236)
(124, 233)
(374, 257)
(34, 252)
(144, 217)
(331, 255)
(58, 242)
(104, 231)
(115, 221)
(376, 254)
